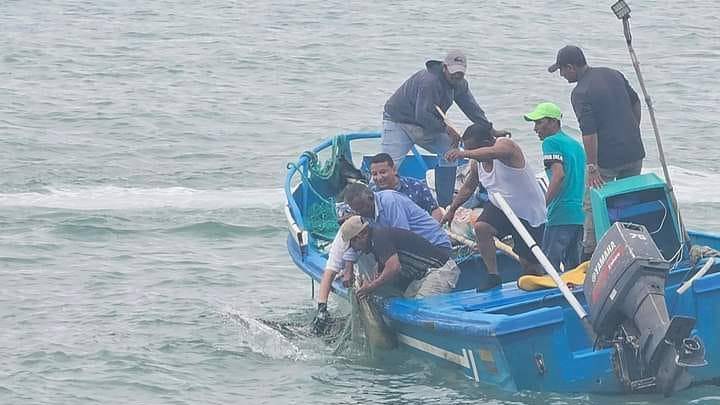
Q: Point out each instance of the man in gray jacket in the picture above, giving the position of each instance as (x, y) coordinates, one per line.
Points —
(411, 118)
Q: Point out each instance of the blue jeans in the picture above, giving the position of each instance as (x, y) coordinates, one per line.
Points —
(563, 243)
(398, 139)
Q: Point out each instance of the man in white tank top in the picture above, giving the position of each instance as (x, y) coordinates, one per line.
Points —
(500, 167)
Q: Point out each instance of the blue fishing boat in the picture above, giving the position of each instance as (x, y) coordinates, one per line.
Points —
(536, 340)
(644, 317)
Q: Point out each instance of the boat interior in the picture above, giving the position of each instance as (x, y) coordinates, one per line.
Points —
(643, 200)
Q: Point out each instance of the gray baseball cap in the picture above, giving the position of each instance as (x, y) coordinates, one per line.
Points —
(456, 62)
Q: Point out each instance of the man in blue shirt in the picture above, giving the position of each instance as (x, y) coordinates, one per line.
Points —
(564, 160)
(398, 211)
(385, 177)
(388, 208)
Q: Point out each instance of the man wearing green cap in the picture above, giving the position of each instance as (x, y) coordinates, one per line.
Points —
(564, 160)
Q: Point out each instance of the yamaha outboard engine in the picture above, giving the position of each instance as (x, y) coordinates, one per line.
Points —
(625, 292)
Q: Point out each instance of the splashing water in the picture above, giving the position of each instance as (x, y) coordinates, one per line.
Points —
(262, 339)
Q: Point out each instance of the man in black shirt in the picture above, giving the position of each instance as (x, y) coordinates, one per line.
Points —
(608, 112)
(403, 257)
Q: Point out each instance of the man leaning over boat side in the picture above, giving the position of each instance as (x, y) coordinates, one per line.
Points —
(501, 167)
(340, 256)
(402, 257)
(564, 160)
(608, 112)
(388, 208)
(340, 260)
(385, 177)
(410, 116)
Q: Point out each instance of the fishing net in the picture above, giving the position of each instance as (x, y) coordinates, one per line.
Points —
(330, 177)
(349, 339)
(326, 180)
(322, 220)
(365, 331)
(462, 253)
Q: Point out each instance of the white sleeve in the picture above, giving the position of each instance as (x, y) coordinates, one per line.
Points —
(340, 251)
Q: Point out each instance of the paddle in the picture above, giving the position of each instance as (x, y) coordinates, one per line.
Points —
(471, 244)
(458, 135)
(686, 285)
(451, 128)
(535, 249)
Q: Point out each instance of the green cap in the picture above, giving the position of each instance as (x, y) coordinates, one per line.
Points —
(544, 110)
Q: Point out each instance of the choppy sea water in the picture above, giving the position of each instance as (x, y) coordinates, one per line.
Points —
(143, 149)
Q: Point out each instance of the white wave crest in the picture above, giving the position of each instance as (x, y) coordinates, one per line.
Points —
(692, 186)
(122, 198)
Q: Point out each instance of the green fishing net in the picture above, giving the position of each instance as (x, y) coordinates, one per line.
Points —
(322, 220)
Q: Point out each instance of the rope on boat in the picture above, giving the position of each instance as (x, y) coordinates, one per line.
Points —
(306, 180)
(698, 252)
(327, 169)
(321, 215)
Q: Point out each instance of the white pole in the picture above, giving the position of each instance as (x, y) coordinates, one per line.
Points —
(686, 285)
(505, 207)
(472, 245)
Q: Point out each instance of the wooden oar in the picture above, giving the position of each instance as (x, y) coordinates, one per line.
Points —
(471, 244)
(447, 121)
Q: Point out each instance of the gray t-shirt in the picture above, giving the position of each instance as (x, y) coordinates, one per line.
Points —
(603, 101)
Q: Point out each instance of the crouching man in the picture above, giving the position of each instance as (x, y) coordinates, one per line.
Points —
(406, 261)
(501, 168)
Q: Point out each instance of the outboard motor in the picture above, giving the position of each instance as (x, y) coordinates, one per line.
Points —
(625, 292)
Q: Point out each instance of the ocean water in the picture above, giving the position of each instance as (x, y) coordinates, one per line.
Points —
(142, 153)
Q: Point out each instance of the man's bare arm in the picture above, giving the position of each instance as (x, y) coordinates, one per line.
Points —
(590, 143)
(466, 191)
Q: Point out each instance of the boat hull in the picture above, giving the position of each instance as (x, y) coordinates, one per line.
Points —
(509, 338)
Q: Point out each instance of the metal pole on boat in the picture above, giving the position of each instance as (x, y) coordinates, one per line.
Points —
(535, 249)
(622, 12)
